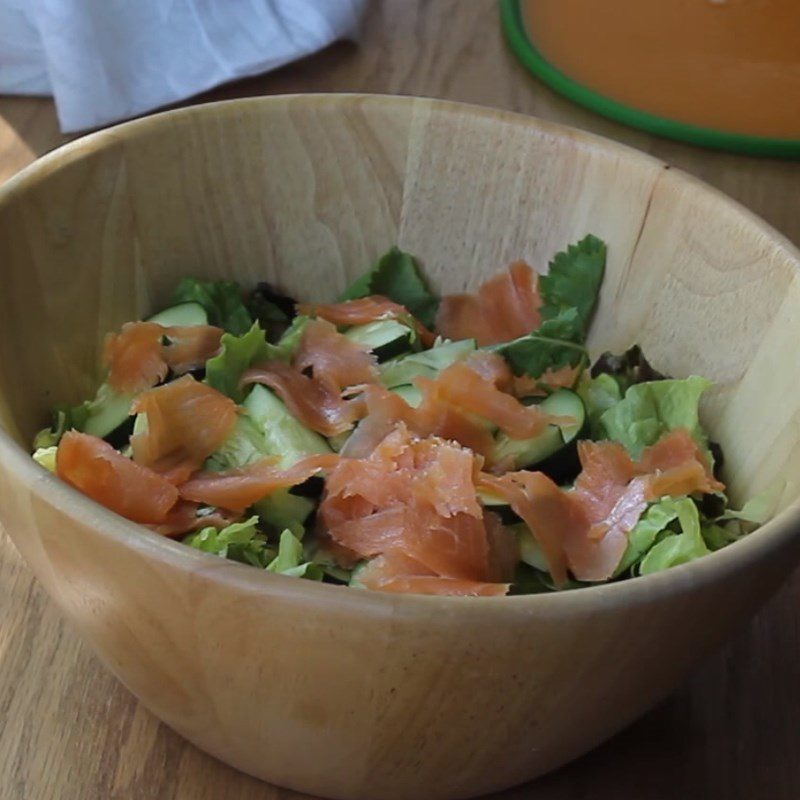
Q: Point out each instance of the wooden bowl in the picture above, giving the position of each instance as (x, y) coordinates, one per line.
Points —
(351, 694)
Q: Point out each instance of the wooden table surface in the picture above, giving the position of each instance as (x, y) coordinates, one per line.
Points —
(69, 731)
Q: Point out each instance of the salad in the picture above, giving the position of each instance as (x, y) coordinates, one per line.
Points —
(402, 442)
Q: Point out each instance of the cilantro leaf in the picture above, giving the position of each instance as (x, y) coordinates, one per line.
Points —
(397, 276)
(573, 282)
(548, 347)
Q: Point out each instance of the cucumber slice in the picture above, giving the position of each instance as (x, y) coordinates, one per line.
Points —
(529, 551)
(338, 441)
(181, 315)
(355, 575)
(107, 411)
(283, 510)
(245, 445)
(410, 394)
(428, 363)
(386, 338)
(498, 505)
(284, 435)
(526, 452)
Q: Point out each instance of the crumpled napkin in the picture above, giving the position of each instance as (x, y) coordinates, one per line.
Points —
(106, 60)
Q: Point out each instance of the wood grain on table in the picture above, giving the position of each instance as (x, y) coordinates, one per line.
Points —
(69, 731)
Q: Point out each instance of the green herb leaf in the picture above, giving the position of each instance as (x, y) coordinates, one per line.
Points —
(573, 282)
(546, 348)
(397, 276)
(222, 301)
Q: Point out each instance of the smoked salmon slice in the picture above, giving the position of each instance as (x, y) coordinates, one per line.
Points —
(545, 508)
(95, 468)
(679, 466)
(308, 399)
(461, 404)
(237, 489)
(186, 422)
(465, 388)
(586, 530)
(550, 381)
(185, 348)
(413, 500)
(186, 517)
(394, 573)
(141, 354)
(365, 310)
(504, 308)
(134, 358)
(334, 360)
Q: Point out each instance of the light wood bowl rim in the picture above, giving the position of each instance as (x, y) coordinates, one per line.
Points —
(49, 490)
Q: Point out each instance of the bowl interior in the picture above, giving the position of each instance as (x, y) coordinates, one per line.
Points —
(306, 191)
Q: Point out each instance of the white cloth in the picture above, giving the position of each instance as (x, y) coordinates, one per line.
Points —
(106, 60)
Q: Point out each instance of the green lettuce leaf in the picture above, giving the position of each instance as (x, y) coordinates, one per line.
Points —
(270, 309)
(759, 509)
(222, 301)
(717, 536)
(46, 457)
(546, 348)
(237, 355)
(677, 548)
(64, 419)
(289, 560)
(598, 395)
(573, 282)
(627, 369)
(240, 541)
(289, 343)
(731, 525)
(652, 409)
(397, 276)
(644, 534)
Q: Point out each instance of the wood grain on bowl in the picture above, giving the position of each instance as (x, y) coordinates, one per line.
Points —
(352, 694)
